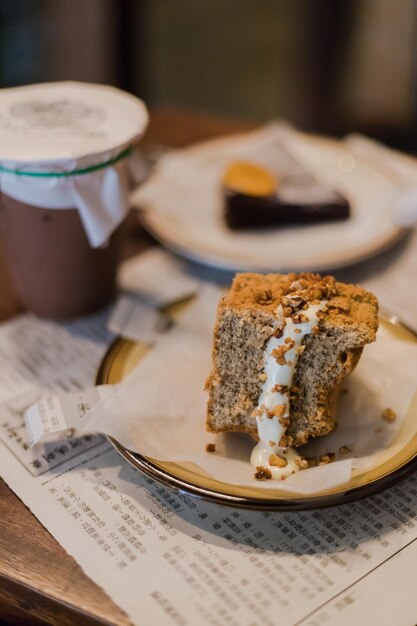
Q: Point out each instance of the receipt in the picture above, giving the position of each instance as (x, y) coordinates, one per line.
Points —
(54, 414)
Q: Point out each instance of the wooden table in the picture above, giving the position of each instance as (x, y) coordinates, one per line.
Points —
(39, 582)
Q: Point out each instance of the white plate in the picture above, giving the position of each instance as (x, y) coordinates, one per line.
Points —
(390, 465)
(182, 207)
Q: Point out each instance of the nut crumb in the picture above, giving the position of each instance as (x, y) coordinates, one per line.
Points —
(278, 410)
(389, 414)
(302, 463)
(299, 318)
(326, 458)
(210, 447)
(264, 297)
(280, 389)
(285, 441)
(263, 473)
(277, 461)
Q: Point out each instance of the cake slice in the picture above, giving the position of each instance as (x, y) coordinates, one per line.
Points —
(254, 197)
(282, 345)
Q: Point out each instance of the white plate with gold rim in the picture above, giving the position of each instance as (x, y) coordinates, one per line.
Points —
(124, 355)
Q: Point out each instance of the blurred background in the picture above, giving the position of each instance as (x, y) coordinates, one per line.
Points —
(329, 66)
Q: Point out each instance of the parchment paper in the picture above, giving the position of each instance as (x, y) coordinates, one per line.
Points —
(159, 409)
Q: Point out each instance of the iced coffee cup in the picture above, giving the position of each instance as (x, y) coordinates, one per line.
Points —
(65, 174)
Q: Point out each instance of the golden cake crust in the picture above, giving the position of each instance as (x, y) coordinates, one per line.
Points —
(347, 304)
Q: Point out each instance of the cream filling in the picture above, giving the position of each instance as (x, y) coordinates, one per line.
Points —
(274, 405)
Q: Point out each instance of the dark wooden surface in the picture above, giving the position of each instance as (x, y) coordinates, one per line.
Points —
(39, 582)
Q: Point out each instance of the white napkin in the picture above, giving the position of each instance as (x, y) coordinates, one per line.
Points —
(397, 166)
(150, 281)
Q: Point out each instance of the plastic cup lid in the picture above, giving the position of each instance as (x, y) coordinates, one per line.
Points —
(67, 120)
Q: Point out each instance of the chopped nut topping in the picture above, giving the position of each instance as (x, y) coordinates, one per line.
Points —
(257, 412)
(284, 421)
(264, 297)
(318, 294)
(277, 461)
(296, 285)
(287, 311)
(286, 301)
(210, 447)
(272, 443)
(278, 333)
(280, 389)
(326, 458)
(294, 302)
(278, 353)
(285, 441)
(297, 330)
(263, 473)
(262, 377)
(389, 414)
(277, 411)
(290, 342)
(311, 286)
(299, 318)
(302, 463)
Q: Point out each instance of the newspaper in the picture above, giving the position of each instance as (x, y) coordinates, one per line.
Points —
(168, 558)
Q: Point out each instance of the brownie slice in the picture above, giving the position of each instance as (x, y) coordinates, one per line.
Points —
(257, 308)
(244, 211)
(255, 197)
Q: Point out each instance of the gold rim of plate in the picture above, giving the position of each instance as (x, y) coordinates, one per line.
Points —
(123, 355)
